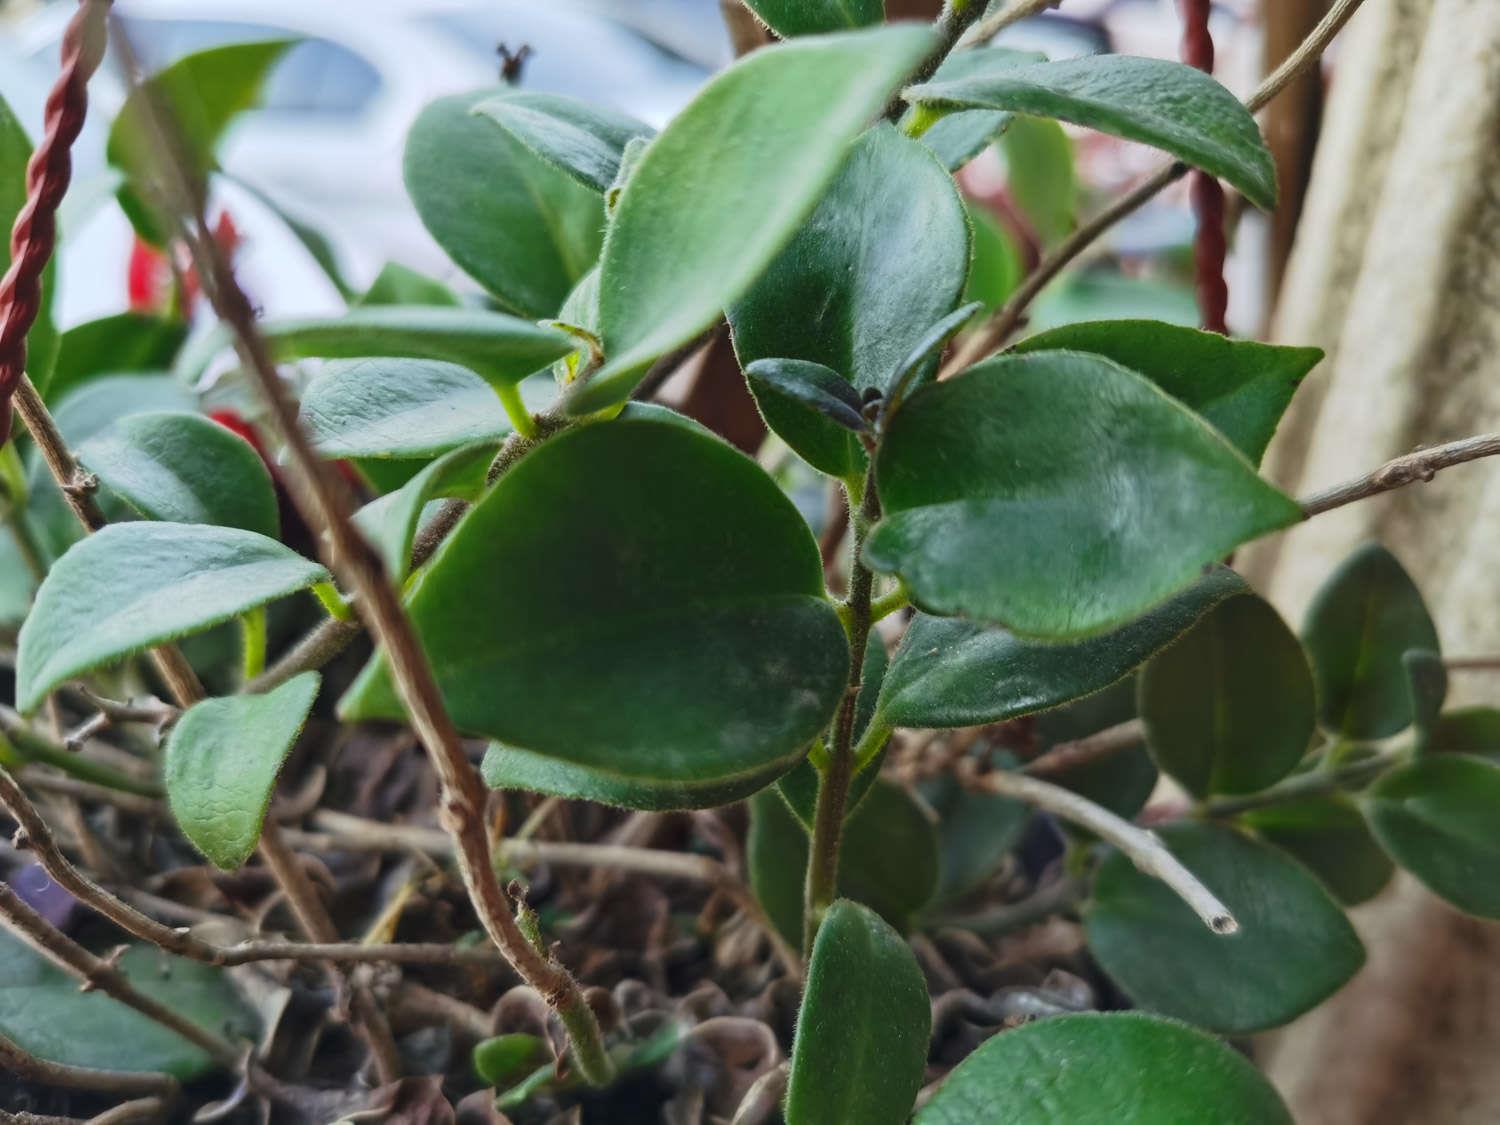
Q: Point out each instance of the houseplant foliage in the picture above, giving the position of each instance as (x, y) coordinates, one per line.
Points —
(618, 607)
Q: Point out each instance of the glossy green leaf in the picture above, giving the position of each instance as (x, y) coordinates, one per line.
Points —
(221, 763)
(184, 468)
(920, 366)
(1169, 105)
(1240, 387)
(391, 522)
(810, 386)
(112, 345)
(1230, 708)
(1436, 818)
(959, 137)
(1039, 164)
(884, 257)
(997, 267)
(709, 206)
(1058, 494)
(810, 17)
(518, 226)
(776, 863)
(43, 1012)
(862, 1032)
(975, 830)
(133, 585)
(661, 631)
(1105, 1068)
(1361, 622)
(1331, 838)
(396, 284)
(949, 672)
(15, 152)
(581, 140)
(402, 408)
(1467, 730)
(1294, 947)
(205, 92)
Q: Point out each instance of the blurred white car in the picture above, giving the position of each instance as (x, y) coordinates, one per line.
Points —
(326, 141)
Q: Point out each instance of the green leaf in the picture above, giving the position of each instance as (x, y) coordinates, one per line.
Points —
(776, 861)
(811, 17)
(43, 1011)
(662, 631)
(921, 364)
(1427, 687)
(396, 284)
(502, 1059)
(1104, 1068)
(1436, 818)
(884, 256)
(810, 387)
(954, 673)
(1102, 293)
(997, 267)
(1098, 498)
(958, 138)
(391, 521)
(709, 206)
(581, 140)
(1169, 105)
(15, 152)
(518, 226)
(1467, 730)
(862, 1032)
(975, 832)
(1294, 947)
(313, 240)
(1240, 387)
(204, 91)
(1039, 163)
(134, 585)
(1331, 838)
(399, 408)
(221, 763)
(184, 468)
(1230, 708)
(110, 345)
(1361, 622)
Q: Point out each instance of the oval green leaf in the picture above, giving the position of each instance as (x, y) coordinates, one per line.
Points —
(184, 468)
(811, 17)
(221, 763)
(1099, 497)
(1294, 947)
(1240, 387)
(391, 521)
(1176, 108)
(975, 831)
(1041, 177)
(862, 1032)
(710, 205)
(581, 140)
(1330, 836)
(954, 673)
(112, 344)
(663, 630)
(1105, 1068)
(396, 284)
(1436, 818)
(1467, 730)
(1360, 624)
(1230, 708)
(518, 226)
(133, 585)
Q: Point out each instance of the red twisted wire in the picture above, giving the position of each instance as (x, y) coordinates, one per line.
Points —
(34, 235)
(1209, 247)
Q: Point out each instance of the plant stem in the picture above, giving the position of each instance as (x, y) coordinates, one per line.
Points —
(26, 544)
(253, 643)
(833, 787)
(956, 17)
(33, 747)
(1312, 784)
(1422, 465)
(1068, 755)
(889, 603)
(991, 26)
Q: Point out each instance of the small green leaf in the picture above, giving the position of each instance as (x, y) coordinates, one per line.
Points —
(920, 365)
(954, 673)
(883, 258)
(811, 17)
(811, 386)
(997, 267)
(708, 206)
(521, 228)
(391, 521)
(399, 408)
(134, 585)
(862, 1032)
(1104, 1068)
(1467, 730)
(396, 284)
(1098, 498)
(1039, 164)
(503, 1059)
(1230, 708)
(1169, 105)
(1240, 387)
(184, 468)
(661, 631)
(1294, 947)
(43, 1011)
(958, 138)
(776, 862)
(1436, 818)
(581, 140)
(111, 345)
(205, 92)
(1361, 622)
(975, 832)
(1427, 687)
(221, 763)
(1331, 838)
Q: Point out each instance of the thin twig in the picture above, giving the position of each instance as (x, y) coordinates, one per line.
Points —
(1066, 756)
(140, 1109)
(1308, 53)
(1422, 465)
(23, 1064)
(1311, 784)
(1147, 852)
(35, 747)
(1472, 663)
(991, 26)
